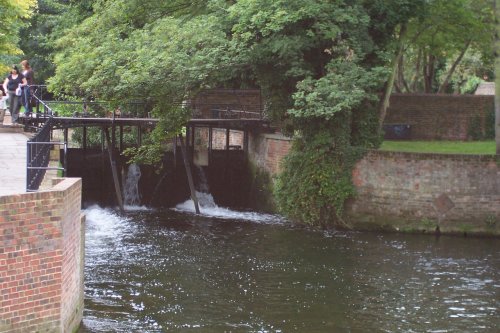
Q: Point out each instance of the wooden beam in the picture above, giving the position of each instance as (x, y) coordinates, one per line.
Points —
(189, 175)
(114, 171)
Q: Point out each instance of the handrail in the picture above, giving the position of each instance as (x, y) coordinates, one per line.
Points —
(38, 148)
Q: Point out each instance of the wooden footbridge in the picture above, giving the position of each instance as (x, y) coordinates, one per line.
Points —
(229, 110)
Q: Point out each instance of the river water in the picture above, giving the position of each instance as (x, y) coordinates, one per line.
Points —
(226, 271)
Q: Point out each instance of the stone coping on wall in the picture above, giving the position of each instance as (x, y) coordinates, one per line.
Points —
(465, 96)
(436, 156)
(276, 136)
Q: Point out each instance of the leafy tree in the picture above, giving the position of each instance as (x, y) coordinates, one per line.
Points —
(12, 17)
(438, 40)
(320, 65)
(49, 22)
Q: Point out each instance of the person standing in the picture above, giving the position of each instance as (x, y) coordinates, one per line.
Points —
(3, 104)
(12, 82)
(29, 74)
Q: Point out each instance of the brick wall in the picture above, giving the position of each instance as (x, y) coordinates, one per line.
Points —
(267, 151)
(212, 103)
(408, 191)
(458, 193)
(443, 117)
(41, 260)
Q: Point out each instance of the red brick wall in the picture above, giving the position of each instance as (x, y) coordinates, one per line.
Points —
(268, 150)
(245, 102)
(411, 191)
(41, 260)
(443, 117)
(457, 192)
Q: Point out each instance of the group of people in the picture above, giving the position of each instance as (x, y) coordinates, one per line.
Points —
(17, 90)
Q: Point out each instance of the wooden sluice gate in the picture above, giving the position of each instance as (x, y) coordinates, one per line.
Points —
(214, 118)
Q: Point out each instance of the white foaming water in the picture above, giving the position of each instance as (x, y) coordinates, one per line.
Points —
(102, 224)
(131, 208)
(209, 208)
(131, 196)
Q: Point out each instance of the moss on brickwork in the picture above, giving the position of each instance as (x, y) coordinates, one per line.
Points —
(368, 222)
(261, 190)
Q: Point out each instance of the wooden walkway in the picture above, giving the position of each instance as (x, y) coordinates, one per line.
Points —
(72, 122)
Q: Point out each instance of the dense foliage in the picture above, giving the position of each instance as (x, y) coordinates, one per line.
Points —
(321, 66)
(442, 42)
(13, 14)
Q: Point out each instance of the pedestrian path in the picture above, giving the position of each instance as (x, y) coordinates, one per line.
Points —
(12, 158)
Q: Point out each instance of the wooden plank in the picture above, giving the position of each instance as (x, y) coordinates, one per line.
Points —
(114, 171)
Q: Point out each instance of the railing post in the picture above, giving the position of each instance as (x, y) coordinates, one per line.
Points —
(28, 164)
(65, 152)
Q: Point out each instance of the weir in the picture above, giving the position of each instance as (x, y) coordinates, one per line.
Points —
(212, 120)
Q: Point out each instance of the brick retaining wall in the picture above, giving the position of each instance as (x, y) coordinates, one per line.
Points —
(267, 151)
(41, 260)
(440, 117)
(458, 193)
(410, 191)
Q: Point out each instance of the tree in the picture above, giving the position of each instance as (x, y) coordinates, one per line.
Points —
(49, 22)
(442, 35)
(320, 64)
(12, 18)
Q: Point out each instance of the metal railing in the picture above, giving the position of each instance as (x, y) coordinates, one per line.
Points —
(38, 157)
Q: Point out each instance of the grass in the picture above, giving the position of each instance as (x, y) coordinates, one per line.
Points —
(441, 147)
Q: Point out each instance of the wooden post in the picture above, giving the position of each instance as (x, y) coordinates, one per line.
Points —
(102, 139)
(113, 171)
(121, 138)
(210, 138)
(174, 143)
(246, 138)
(191, 155)
(189, 175)
(84, 138)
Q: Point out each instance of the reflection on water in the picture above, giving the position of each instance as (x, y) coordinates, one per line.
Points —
(158, 271)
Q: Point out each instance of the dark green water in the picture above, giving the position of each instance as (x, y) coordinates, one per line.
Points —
(170, 271)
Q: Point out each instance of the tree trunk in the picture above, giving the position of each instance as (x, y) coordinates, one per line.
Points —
(428, 72)
(384, 104)
(401, 75)
(414, 85)
(444, 85)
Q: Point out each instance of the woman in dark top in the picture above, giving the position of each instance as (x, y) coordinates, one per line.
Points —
(29, 75)
(12, 82)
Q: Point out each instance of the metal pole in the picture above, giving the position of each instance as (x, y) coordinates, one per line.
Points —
(65, 152)
(28, 164)
(189, 176)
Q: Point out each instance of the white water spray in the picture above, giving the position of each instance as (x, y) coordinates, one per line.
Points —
(209, 208)
(203, 183)
(131, 196)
